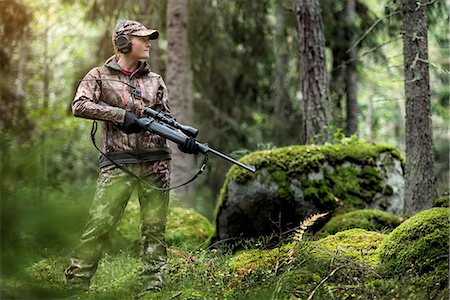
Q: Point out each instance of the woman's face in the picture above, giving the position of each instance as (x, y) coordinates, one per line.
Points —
(140, 48)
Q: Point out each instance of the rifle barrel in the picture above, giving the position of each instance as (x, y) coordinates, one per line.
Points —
(226, 157)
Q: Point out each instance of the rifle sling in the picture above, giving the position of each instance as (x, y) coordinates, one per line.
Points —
(123, 168)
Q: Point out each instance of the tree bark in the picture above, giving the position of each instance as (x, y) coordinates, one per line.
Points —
(179, 82)
(420, 189)
(313, 71)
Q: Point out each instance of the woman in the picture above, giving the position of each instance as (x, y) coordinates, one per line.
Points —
(126, 84)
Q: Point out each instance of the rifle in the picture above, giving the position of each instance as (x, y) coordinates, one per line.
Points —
(167, 127)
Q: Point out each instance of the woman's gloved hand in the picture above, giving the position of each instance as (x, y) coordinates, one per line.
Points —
(130, 124)
(189, 146)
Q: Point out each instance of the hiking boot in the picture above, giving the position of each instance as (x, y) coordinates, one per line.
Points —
(149, 290)
(78, 284)
(152, 286)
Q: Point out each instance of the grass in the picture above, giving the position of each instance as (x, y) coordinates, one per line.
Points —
(248, 274)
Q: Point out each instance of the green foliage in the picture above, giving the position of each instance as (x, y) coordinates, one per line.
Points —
(368, 219)
(418, 245)
(39, 209)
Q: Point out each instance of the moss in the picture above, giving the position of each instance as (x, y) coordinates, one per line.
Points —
(247, 261)
(283, 191)
(298, 159)
(443, 201)
(418, 245)
(345, 183)
(388, 190)
(318, 191)
(357, 244)
(187, 228)
(431, 285)
(368, 219)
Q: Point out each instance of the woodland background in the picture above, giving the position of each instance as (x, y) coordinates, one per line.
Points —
(240, 69)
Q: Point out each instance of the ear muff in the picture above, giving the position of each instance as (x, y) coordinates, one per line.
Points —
(122, 41)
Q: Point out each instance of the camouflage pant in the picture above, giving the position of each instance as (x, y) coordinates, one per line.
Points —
(114, 188)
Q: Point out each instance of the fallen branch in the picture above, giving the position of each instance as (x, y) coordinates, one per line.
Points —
(323, 280)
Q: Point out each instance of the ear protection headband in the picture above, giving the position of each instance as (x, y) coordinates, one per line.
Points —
(122, 41)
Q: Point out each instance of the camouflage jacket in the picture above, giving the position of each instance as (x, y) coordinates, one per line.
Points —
(103, 84)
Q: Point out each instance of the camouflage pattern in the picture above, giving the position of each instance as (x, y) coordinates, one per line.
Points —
(118, 95)
(135, 28)
(114, 188)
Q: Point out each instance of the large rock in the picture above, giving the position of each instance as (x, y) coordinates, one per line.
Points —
(294, 182)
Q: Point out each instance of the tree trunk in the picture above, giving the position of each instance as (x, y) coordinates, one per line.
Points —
(337, 86)
(370, 130)
(313, 71)
(179, 82)
(350, 72)
(154, 23)
(419, 178)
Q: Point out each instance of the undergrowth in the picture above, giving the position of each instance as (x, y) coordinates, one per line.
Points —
(341, 266)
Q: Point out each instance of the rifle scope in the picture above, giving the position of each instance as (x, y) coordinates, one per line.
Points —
(160, 116)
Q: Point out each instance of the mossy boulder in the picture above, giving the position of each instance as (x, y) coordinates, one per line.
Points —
(368, 219)
(418, 245)
(296, 181)
(185, 228)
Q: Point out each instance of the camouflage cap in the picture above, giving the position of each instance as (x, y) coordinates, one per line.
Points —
(135, 28)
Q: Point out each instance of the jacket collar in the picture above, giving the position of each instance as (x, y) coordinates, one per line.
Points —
(142, 67)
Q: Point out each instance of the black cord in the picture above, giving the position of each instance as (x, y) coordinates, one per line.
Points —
(200, 170)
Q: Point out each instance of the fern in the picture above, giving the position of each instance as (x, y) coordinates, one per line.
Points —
(299, 232)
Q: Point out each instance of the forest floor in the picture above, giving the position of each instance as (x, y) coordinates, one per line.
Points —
(304, 269)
